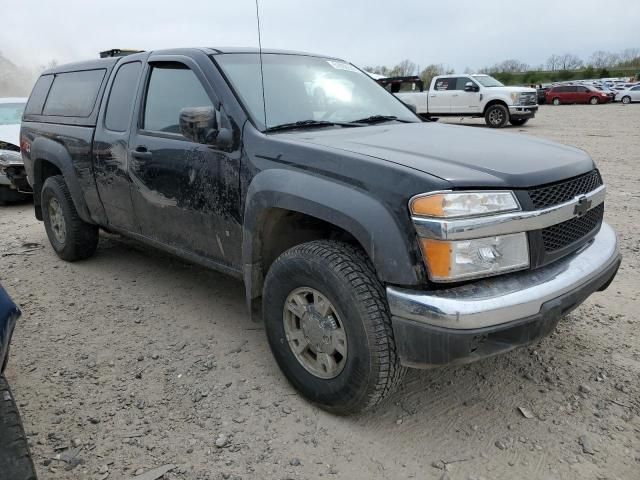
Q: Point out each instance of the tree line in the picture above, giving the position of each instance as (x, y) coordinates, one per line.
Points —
(564, 66)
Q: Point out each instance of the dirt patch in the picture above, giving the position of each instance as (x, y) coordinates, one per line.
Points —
(134, 360)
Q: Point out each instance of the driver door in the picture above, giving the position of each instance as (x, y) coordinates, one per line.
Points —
(185, 194)
(462, 101)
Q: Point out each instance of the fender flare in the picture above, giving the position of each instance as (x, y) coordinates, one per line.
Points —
(494, 101)
(352, 209)
(44, 149)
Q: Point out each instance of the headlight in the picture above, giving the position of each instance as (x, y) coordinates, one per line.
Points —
(463, 204)
(515, 98)
(464, 259)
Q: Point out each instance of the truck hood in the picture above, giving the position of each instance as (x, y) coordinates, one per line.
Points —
(511, 89)
(463, 156)
(10, 134)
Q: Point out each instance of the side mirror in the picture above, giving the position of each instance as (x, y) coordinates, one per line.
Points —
(471, 87)
(199, 124)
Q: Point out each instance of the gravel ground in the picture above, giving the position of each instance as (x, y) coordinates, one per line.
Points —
(134, 360)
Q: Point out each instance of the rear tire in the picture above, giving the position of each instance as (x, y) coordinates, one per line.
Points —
(518, 122)
(71, 238)
(341, 276)
(556, 101)
(594, 101)
(626, 99)
(496, 116)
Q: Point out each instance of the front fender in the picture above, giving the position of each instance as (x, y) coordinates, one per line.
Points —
(380, 232)
(46, 150)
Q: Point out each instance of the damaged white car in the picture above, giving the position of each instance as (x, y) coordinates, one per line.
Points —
(13, 179)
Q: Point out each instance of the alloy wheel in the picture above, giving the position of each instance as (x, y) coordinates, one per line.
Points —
(56, 218)
(315, 333)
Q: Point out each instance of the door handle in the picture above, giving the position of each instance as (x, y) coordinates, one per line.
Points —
(141, 153)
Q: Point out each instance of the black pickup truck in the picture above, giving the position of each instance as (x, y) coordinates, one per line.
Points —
(368, 240)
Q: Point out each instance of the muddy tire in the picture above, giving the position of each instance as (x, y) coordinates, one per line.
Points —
(71, 238)
(496, 116)
(328, 325)
(518, 122)
(15, 460)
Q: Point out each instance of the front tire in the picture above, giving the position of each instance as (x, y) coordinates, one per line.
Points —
(626, 100)
(496, 116)
(71, 238)
(556, 101)
(328, 325)
(593, 100)
(518, 122)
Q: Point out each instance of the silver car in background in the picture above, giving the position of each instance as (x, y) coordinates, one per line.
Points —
(13, 180)
(631, 94)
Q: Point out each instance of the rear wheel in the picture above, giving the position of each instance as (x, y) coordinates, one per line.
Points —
(626, 99)
(593, 100)
(556, 101)
(497, 115)
(328, 325)
(71, 238)
(517, 122)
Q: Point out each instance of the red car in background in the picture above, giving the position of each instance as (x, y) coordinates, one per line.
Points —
(576, 94)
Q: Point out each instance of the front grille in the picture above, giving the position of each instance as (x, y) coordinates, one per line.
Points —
(550, 195)
(564, 234)
(528, 98)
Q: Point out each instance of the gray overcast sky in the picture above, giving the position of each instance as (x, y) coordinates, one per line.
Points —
(458, 34)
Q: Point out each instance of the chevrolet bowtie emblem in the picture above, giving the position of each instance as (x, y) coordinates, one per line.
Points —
(582, 207)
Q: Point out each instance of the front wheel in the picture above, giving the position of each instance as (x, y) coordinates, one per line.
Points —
(71, 238)
(496, 116)
(328, 325)
(556, 101)
(517, 122)
(626, 100)
(593, 100)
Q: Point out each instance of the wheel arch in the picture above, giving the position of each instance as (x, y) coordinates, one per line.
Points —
(51, 158)
(285, 208)
(494, 102)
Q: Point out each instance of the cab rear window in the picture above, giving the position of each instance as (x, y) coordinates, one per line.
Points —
(73, 94)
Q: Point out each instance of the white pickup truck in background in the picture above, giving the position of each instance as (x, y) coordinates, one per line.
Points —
(468, 96)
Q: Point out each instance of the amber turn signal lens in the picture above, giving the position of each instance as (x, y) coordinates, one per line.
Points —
(438, 257)
(428, 206)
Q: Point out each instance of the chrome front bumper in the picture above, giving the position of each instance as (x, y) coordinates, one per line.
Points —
(507, 298)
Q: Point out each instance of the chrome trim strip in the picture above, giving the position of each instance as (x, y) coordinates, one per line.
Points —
(503, 299)
(502, 224)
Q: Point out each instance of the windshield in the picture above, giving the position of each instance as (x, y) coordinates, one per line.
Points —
(487, 81)
(11, 113)
(300, 88)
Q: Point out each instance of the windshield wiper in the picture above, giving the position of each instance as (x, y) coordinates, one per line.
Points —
(307, 124)
(379, 119)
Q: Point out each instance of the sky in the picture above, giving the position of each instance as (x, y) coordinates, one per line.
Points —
(458, 34)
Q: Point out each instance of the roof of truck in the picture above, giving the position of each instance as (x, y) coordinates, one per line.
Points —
(109, 62)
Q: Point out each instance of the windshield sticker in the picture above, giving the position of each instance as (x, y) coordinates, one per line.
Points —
(342, 66)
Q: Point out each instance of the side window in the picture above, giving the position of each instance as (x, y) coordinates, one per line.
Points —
(572, 89)
(446, 84)
(74, 94)
(122, 97)
(636, 89)
(461, 82)
(583, 89)
(39, 95)
(172, 87)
